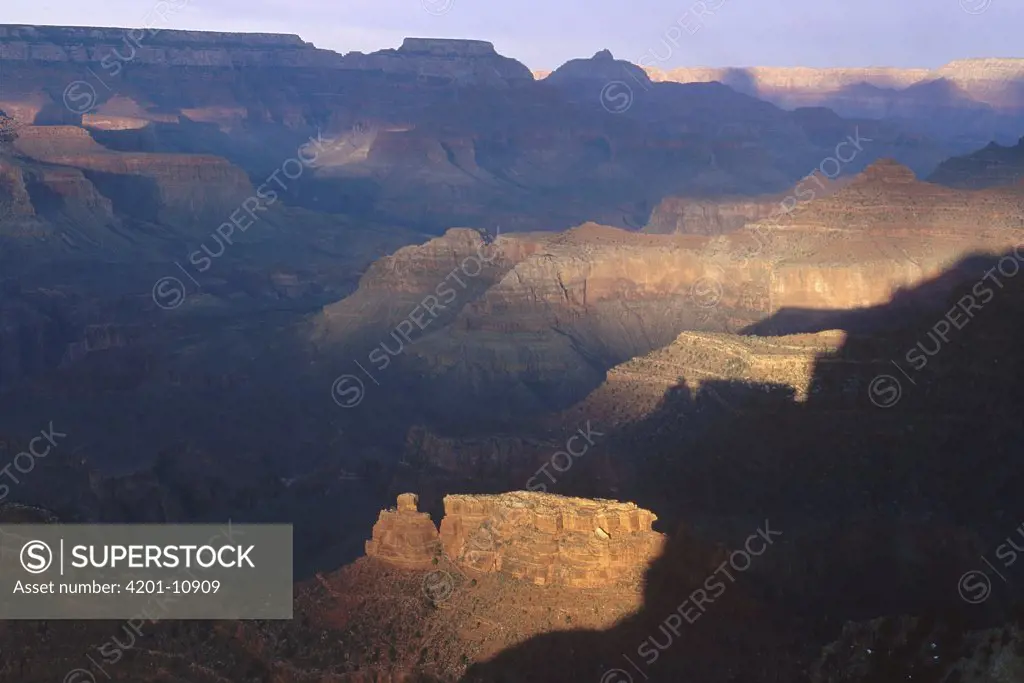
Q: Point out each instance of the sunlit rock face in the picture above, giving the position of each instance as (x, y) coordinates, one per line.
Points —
(405, 537)
(536, 537)
(542, 324)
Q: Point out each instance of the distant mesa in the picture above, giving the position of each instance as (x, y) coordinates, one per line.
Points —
(448, 47)
(464, 60)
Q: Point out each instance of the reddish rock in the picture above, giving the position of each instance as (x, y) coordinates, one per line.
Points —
(404, 536)
(537, 537)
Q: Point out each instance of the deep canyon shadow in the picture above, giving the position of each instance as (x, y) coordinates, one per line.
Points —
(889, 482)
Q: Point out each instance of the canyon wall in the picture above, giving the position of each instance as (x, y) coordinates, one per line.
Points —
(692, 216)
(85, 45)
(992, 81)
(174, 188)
(969, 103)
(541, 330)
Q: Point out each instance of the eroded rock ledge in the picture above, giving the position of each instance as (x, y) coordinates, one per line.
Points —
(538, 537)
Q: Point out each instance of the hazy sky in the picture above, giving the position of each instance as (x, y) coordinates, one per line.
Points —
(546, 33)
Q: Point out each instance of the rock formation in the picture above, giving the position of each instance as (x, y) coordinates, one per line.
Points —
(14, 197)
(464, 62)
(432, 57)
(444, 139)
(978, 99)
(404, 536)
(539, 331)
(993, 166)
(62, 44)
(990, 81)
(601, 68)
(173, 188)
(719, 215)
(636, 388)
(691, 216)
(541, 538)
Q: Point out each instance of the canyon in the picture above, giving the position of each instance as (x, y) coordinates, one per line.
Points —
(525, 366)
(588, 299)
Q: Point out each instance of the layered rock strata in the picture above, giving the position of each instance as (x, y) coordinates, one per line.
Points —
(404, 536)
(462, 60)
(175, 187)
(636, 388)
(542, 538)
(541, 330)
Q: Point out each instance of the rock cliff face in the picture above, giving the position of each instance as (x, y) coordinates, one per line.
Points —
(456, 134)
(436, 278)
(467, 61)
(541, 538)
(716, 216)
(161, 47)
(450, 132)
(462, 62)
(636, 388)
(67, 191)
(541, 330)
(404, 536)
(887, 196)
(708, 217)
(550, 540)
(14, 198)
(173, 188)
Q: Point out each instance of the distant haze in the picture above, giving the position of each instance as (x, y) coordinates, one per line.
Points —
(545, 33)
